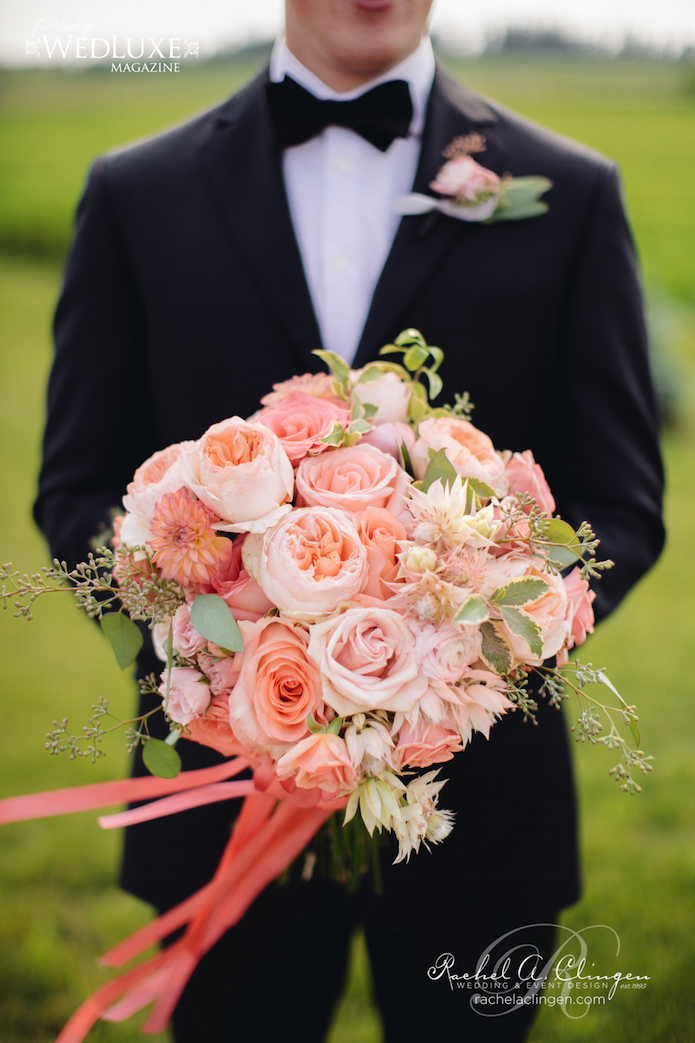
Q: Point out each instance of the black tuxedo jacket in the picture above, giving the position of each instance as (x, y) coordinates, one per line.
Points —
(185, 299)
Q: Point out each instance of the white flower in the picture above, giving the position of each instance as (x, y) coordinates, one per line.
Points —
(378, 800)
(420, 821)
(442, 517)
(369, 745)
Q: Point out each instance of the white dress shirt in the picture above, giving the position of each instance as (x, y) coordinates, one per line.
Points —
(339, 188)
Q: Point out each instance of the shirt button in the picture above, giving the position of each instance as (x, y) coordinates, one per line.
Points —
(343, 166)
(340, 263)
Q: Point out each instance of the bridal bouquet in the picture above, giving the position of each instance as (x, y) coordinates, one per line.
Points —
(342, 588)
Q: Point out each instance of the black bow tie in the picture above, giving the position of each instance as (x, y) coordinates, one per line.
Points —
(380, 115)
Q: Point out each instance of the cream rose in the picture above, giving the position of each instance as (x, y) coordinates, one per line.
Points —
(241, 472)
(367, 661)
(469, 451)
(351, 479)
(390, 394)
(309, 563)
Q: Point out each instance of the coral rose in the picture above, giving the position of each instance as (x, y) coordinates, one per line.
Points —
(278, 686)
(309, 563)
(320, 760)
(189, 696)
(526, 476)
(242, 473)
(423, 744)
(351, 479)
(367, 661)
(468, 450)
(381, 534)
(213, 729)
(300, 421)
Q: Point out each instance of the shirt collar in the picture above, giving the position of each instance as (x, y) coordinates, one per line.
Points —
(417, 70)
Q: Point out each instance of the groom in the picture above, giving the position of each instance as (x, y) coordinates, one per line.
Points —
(209, 262)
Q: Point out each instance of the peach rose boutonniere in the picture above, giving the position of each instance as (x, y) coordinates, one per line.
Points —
(469, 191)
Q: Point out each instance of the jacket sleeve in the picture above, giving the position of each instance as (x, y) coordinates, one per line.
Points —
(99, 412)
(606, 465)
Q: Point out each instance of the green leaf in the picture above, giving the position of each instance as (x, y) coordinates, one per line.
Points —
(520, 592)
(417, 409)
(473, 610)
(407, 462)
(335, 726)
(357, 411)
(161, 759)
(370, 410)
(495, 651)
(359, 427)
(336, 435)
(123, 636)
(439, 467)
(438, 356)
(213, 620)
(415, 357)
(313, 725)
(435, 382)
(411, 336)
(569, 550)
(519, 212)
(375, 370)
(483, 490)
(523, 626)
(337, 365)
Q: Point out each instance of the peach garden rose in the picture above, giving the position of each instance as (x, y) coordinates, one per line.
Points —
(241, 472)
(351, 479)
(309, 563)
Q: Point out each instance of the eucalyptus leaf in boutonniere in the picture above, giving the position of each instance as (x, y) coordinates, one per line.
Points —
(471, 192)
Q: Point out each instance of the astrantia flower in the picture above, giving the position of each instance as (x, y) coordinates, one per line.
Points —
(420, 820)
(185, 545)
(442, 520)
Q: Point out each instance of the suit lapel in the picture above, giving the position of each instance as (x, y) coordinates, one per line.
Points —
(245, 170)
(421, 242)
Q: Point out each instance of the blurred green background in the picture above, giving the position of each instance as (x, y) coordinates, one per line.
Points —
(59, 905)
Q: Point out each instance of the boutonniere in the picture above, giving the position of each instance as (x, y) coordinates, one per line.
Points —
(471, 192)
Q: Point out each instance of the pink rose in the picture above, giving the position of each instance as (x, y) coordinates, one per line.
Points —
(278, 686)
(389, 438)
(471, 185)
(351, 479)
(232, 582)
(381, 534)
(189, 696)
(213, 729)
(160, 474)
(320, 760)
(526, 476)
(187, 640)
(242, 473)
(367, 661)
(309, 563)
(468, 450)
(389, 393)
(423, 744)
(580, 613)
(300, 421)
(443, 654)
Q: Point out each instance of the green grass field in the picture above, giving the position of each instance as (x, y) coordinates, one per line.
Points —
(59, 905)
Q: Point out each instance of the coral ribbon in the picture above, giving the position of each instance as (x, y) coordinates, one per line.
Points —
(271, 830)
(101, 794)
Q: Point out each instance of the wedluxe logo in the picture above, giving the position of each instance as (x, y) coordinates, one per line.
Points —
(73, 42)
